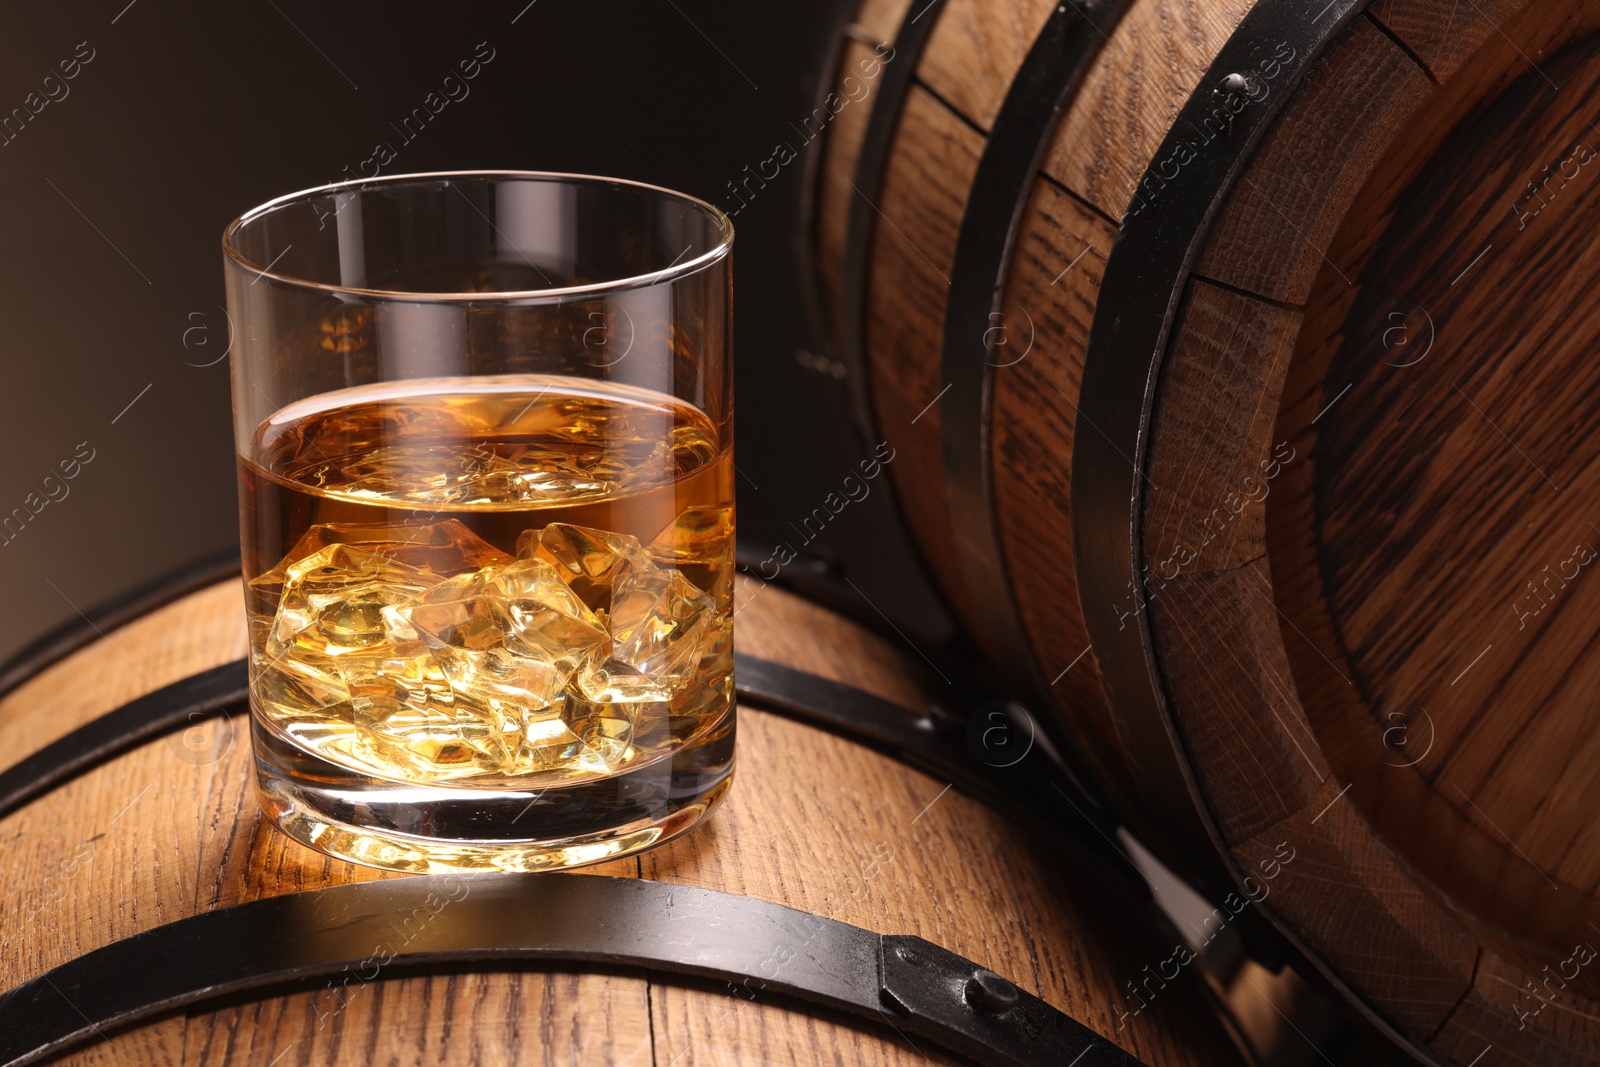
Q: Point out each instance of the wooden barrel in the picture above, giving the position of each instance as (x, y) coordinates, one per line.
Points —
(148, 866)
(1237, 359)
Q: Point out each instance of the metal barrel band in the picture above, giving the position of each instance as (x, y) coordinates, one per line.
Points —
(1045, 84)
(145, 718)
(1144, 281)
(1145, 277)
(914, 986)
(1141, 291)
(77, 632)
(841, 18)
(1028, 788)
(898, 75)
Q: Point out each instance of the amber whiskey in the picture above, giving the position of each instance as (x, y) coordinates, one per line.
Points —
(487, 615)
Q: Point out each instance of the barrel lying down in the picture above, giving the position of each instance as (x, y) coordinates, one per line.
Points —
(841, 907)
(1238, 360)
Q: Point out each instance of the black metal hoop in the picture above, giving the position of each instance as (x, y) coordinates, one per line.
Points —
(904, 982)
(1028, 788)
(842, 21)
(75, 633)
(1145, 279)
(1044, 86)
(898, 75)
(183, 703)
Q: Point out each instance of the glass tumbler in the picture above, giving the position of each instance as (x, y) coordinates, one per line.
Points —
(484, 426)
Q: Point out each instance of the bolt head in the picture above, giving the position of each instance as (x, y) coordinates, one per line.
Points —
(989, 992)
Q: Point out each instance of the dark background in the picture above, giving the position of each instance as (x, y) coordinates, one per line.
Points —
(115, 196)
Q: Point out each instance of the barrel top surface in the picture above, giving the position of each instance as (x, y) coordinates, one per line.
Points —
(1455, 487)
(815, 822)
(1438, 521)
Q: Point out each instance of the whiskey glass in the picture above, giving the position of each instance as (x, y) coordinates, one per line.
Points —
(484, 427)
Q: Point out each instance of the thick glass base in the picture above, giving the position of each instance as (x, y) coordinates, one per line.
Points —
(439, 829)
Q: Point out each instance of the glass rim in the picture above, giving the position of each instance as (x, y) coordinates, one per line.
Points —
(671, 272)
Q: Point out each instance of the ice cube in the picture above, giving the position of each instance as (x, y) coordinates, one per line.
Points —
(333, 601)
(576, 739)
(452, 474)
(508, 634)
(659, 626)
(437, 739)
(445, 547)
(588, 559)
(699, 705)
(539, 476)
(294, 686)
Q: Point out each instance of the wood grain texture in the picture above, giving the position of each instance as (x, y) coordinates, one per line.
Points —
(1213, 465)
(472, 1020)
(1375, 753)
(1508, 376)
(1357, 905)
(1515, 390)
(1052, 284)
(1275, 226)
(792, 630)
(1374, 376)
(1549, 1027)
(1334, 323)
(462, 1020)
(1444, 33)
(158, 1044)
(1411, 956)
(1213, 457)
(703, 1026)
(975, 50)
(815, 822)
(913, 246)
(146, 654)
(1138, 84)
(1410, 893)
(1233, 696)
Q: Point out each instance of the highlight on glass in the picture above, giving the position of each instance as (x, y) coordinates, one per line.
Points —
(484, 426)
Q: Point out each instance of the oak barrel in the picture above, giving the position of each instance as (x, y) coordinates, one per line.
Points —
(143, 840)
(1238, 360)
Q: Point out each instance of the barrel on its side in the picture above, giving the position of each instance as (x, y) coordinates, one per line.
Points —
(170, 829)
(1237, 359)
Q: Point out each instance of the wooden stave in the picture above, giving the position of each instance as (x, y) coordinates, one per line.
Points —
(692, 859)
(1441, 56)
(1462, 945)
